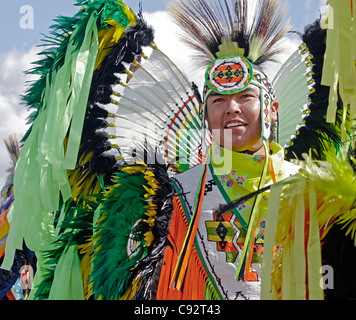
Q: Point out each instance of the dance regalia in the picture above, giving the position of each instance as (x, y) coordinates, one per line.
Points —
(132, 202)
(220, 236)
(15, 284)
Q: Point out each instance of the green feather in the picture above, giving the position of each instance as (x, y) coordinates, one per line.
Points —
(122, 214)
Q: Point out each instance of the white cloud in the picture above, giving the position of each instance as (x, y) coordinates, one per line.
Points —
(167, 40)
(12, 85)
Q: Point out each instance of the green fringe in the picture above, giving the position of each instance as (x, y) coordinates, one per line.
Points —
(76, 229)
(53, 57)
(211, 292)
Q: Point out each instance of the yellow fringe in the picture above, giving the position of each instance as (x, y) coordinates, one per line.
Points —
(339, 71)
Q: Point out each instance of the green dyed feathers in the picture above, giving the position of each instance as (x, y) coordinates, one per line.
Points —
(124, 232)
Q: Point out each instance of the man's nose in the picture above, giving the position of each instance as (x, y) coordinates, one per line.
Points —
(233, 107)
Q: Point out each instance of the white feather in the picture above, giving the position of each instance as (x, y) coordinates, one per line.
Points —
(158, 107)
(292, 91)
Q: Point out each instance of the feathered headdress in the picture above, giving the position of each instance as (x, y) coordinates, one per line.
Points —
(233, 39)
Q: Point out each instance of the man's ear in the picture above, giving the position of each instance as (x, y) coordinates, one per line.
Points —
(274, 111)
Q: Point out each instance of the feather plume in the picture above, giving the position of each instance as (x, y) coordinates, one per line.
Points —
(139, 205)
(94, 157)
(76, 230)
(316, 134)
(12, 146)
(214, 28)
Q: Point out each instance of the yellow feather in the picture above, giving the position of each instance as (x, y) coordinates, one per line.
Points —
(229, 47)
(134, 287)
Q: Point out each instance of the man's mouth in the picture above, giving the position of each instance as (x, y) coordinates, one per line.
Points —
(235, 125)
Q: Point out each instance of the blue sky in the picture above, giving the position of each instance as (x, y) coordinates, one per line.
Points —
(13, 36)
(18, 48)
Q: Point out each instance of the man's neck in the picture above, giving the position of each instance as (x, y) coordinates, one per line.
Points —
(256, 150)
(259, 151)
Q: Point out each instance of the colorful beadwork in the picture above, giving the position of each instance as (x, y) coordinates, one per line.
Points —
(229, 74)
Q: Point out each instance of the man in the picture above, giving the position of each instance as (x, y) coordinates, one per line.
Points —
(148, 235)
(220, 253)
(236, 167)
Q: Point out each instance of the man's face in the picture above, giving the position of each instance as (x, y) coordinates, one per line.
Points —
(235, 120)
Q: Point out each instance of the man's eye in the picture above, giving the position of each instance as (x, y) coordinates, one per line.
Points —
(245, 96)
(217, 100)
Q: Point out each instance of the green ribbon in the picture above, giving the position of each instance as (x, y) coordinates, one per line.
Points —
(252, 223)
(67, 283)
(41, 172)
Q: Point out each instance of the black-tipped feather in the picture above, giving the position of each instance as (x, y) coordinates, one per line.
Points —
(148, 268)
(316, 134)
(206, 23)
(13, 148)
(93, 156)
